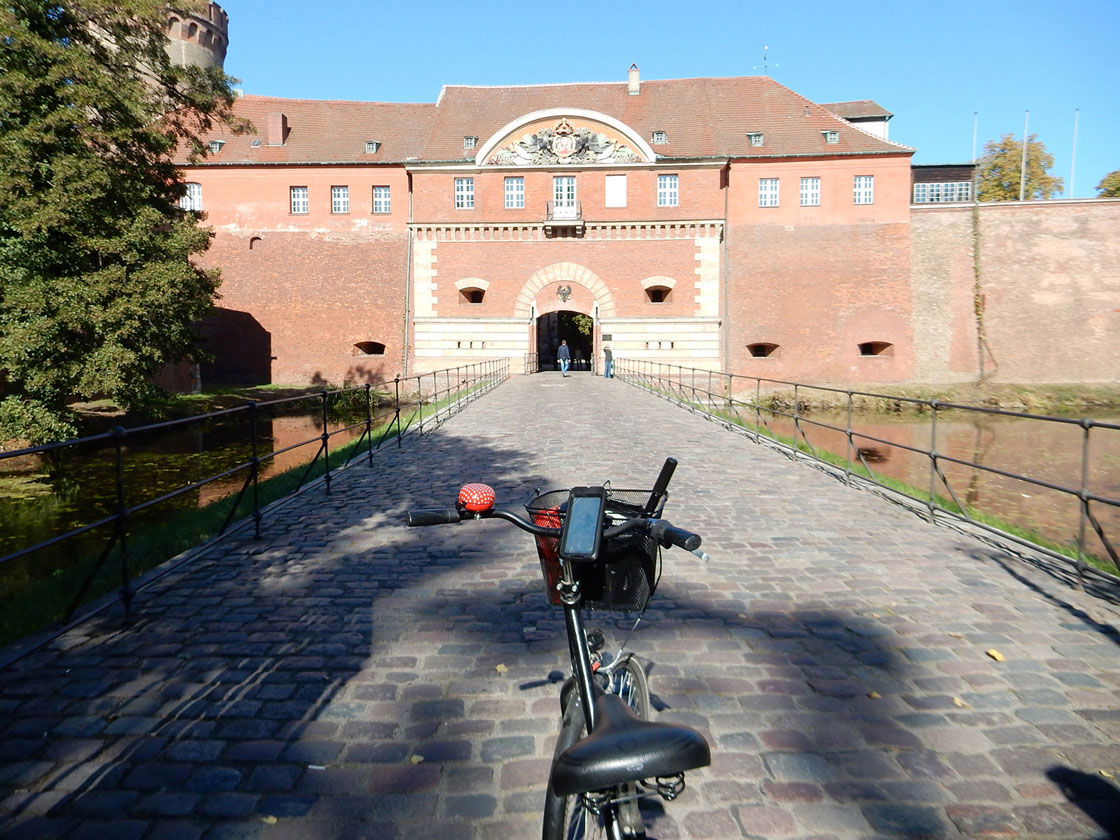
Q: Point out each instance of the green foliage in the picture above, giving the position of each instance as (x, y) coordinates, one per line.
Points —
(97, 290)
(1109, 187)
(583, 323)
(1001, 168)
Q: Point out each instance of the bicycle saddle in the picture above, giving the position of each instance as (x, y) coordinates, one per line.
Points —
(625, 748)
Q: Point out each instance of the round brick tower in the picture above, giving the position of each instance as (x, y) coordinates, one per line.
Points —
(198, 39)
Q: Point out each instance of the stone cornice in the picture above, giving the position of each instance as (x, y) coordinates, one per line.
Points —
(535, 231)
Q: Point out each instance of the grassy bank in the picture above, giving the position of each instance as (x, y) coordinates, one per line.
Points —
(1058, 400)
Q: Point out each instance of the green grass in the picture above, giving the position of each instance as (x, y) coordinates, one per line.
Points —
(44, 601)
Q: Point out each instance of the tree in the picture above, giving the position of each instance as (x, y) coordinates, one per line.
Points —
(1109, 187)
(97, 290)
(1000, 170)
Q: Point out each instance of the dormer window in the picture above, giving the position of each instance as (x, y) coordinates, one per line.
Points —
(660, 138)
(470, 142)
(215, 146)
(831, 136)
(372, 147)
(756, 138)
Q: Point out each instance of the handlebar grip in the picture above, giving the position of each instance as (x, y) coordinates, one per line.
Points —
(667, 535)
(433, 516)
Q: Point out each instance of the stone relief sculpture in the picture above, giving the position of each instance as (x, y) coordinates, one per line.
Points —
(564, 144)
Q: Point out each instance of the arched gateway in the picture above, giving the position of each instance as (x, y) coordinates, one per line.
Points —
(564, 213)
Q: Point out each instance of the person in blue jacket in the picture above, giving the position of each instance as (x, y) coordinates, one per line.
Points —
(564, 357)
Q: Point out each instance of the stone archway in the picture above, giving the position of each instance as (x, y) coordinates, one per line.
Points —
(564, 272)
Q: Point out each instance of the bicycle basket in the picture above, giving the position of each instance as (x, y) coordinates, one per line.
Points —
(628, 567)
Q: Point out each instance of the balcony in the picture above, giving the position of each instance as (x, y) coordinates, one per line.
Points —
(563, 218)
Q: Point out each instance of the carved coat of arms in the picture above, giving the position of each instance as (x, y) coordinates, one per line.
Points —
(564, 144)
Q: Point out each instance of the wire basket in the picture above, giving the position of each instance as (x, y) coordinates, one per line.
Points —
(629, 565)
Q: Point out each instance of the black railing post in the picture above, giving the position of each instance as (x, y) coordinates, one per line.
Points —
(851, 445)
(397, 408)
(932, 504)
(119, 434)
(369, 423)
(326, 436)
(254, 471)
(1083, 496)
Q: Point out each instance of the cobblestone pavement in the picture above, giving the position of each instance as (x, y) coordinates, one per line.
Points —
(348, 677)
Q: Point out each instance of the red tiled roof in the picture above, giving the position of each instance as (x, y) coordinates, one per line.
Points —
(705, 117)
(859, 109)
(325, 131)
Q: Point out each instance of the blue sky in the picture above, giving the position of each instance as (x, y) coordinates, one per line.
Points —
(932, 65)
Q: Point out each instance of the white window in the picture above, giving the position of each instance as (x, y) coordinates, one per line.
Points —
(831, 136)
(810, 192)
(372, 146)
(659, 137)
(299, 200)
(939, 192)
(215, 146)
(767, 192)
(668, 191)
(464, 193)
(381, 200)
(863, 189)
(340, 199)
(470, 142)
(193, 199)
(615, 191)
(565, 205)
(757, 138)
(515, 193)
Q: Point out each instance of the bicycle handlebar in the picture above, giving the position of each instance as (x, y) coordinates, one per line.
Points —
(661, 530)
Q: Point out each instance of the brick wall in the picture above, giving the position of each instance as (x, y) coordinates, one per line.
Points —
(316, 296)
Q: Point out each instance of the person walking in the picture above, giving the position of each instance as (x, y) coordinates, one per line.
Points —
(608, 362)
(564, 357)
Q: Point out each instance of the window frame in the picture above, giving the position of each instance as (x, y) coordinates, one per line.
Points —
(810, 189)
(863, 189)
(192, 198)
(305, 203)
(668, 190)
(386, 203)
(515, 197)
(464, 192)
(340, 200)
(769, 192)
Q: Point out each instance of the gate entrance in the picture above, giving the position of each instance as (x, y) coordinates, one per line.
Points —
(554, 327)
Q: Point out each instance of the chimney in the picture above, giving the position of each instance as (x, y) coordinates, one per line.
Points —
(635, 86)
(277, 129)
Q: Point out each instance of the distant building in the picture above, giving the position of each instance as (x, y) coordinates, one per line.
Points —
(942, 183)
(718, 223)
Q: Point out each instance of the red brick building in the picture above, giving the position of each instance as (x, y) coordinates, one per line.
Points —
(723, 223)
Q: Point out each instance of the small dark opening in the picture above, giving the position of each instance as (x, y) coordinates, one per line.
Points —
(369, 348)
(472, 295)
(762, 349)
(658, 294)
(876, 348)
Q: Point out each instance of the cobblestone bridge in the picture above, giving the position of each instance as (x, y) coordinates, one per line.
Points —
(347, 677)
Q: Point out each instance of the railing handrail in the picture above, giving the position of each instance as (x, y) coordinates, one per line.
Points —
(685, 386)
(460, 384)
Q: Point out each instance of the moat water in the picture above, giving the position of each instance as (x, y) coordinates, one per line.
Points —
(61, 493)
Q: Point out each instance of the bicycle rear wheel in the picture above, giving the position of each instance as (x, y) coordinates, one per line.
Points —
(565, 817)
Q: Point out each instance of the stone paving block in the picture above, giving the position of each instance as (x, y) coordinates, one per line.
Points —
(343, 640)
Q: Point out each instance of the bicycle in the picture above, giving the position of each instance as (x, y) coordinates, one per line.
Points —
(599, 548)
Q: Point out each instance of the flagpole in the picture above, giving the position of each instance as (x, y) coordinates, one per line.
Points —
(1073, 161)
(1023, 169)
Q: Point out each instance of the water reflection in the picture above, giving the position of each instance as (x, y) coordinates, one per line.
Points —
(1046, 452)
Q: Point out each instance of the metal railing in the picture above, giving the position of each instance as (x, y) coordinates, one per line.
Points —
(771, 412)
(563, 211)
(391, 409)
